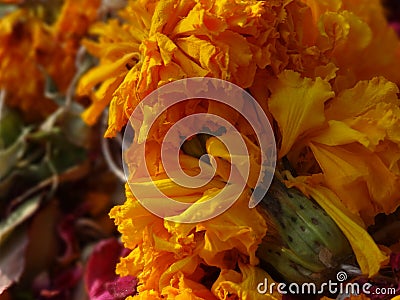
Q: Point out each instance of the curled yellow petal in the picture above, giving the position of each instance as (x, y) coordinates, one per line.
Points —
(297, 104)
(340, 133)
(243, 285)
(363, 96)
(240, 228)
(102, 73)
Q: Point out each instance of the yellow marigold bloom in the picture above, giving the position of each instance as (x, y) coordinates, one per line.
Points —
(162, 41)
(30, 48)
(170, 259)
(164, 249)
(343, 137)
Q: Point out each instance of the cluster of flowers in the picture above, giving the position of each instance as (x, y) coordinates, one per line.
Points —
(326, 74)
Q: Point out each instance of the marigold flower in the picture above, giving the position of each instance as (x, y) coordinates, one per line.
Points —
(323, 38)
(22, 36)
(338, 127)
(32, 47)
(165, 251)
(346, 135)
(163, 41)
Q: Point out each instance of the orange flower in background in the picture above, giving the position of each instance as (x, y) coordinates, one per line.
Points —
(341, 41)
(68, 30)
(21, 36)
(31, 47)
(159, 42)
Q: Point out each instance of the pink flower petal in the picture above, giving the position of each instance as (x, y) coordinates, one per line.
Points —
(101, 281)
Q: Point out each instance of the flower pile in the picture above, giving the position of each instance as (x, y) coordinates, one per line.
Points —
(326, 74)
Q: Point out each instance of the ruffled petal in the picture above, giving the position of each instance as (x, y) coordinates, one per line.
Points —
(297, 104)
(373, 188)
(243, 285)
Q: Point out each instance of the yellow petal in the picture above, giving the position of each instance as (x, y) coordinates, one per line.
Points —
(102, 97)
(182, 288)
(190, 67)
(379, 124)
(362, 97)
(359, 178)
(199, 49)
(244, 285)
(161, 15)
(217, 149)
(187, 265)
(368, 255)
(341, 31)
(339, 133)
(199, 22)
(132, 219)
(101, 73)
(297, 104)
(166, 46)
(238, 228)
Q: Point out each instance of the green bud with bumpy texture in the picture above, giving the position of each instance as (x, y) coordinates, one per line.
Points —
(303, 244)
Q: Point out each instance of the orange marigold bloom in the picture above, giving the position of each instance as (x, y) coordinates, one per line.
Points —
(163, 41)
(168, 257)
(31, 48)
(342, 41)
(338, 126)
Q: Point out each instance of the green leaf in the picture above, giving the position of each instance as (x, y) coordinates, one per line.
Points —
(76, 131)
(11, 126)
(10, 156)
(5, 9)
(65, 155)
(21, 214)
